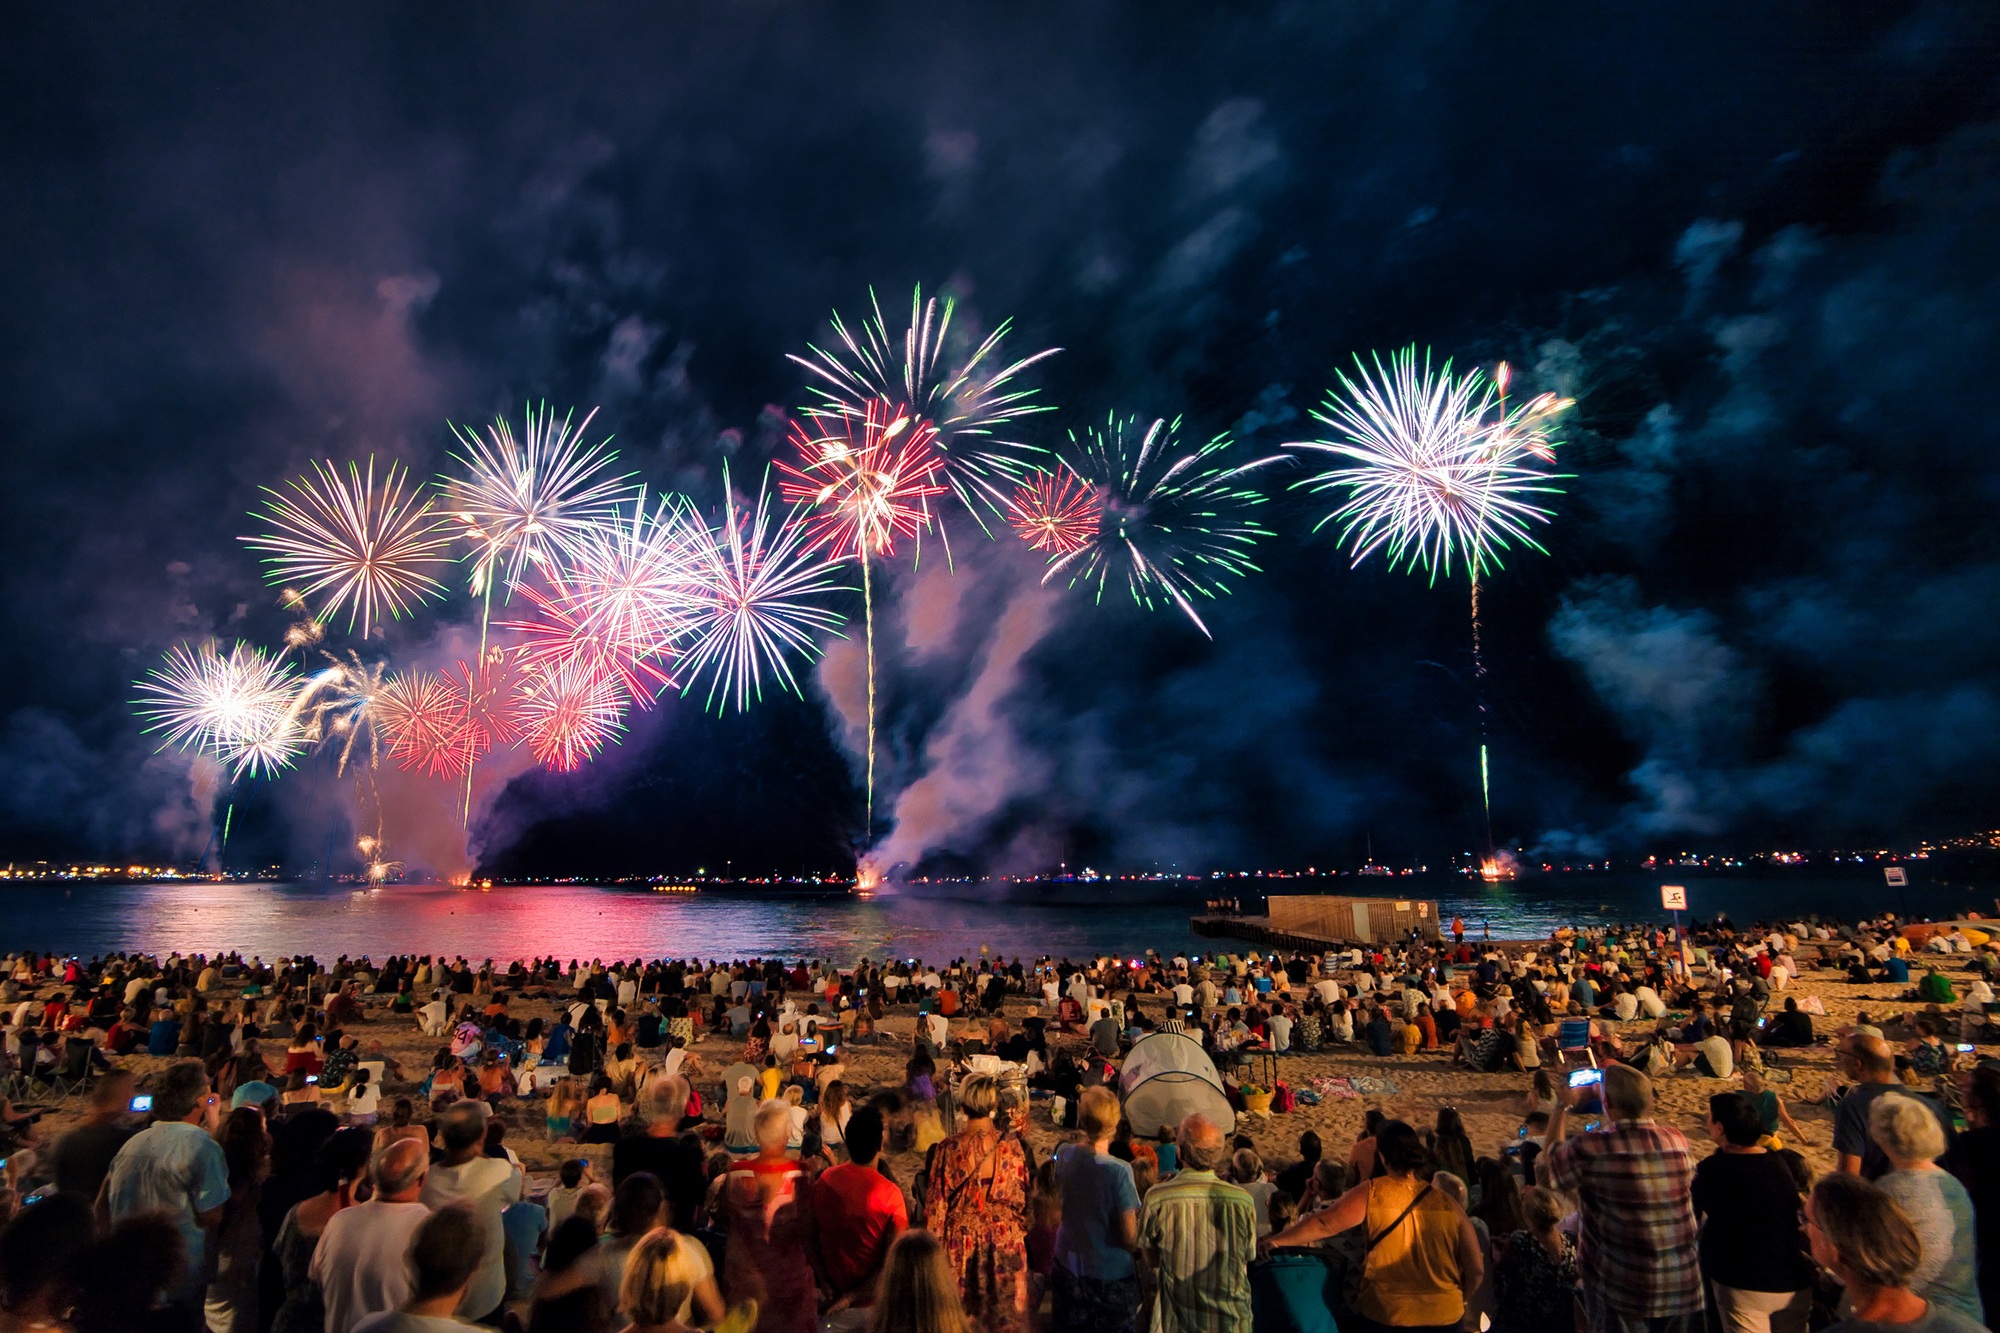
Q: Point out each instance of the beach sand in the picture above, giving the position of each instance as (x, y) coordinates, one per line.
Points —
(1492, 1105)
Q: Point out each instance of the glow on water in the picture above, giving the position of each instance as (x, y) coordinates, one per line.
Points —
(603, 921)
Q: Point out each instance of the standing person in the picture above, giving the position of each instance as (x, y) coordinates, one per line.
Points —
(1931, 1197)
(766, 1259)
(1753, 1255)
(1637, 1249)
(1534, 1269)
(231, 1302)
(486, 1185)
(1859, 1235)
(175, 1166)
(977, 1202)
(360, 1264)
(1422, 1259)
(1095, 1281)
(1870, 1063)
(82, 1158)
(447, 1255)
(675, 1159)
(918, 1293)
(1200, 1234)
(857, 1213)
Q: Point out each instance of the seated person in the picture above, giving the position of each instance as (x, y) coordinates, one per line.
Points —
(1790, 1027)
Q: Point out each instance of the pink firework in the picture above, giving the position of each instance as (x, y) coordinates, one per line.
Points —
(866, 480)
(488, 692)
(567, 712)
(429, 725)
(1056, 512)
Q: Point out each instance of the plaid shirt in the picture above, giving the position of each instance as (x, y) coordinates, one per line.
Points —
(1203, 1234)
(1638, 1245)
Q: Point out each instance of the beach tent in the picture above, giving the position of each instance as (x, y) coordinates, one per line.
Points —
(1168, 1077)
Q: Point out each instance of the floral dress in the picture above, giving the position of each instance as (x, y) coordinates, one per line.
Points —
(983, 1224)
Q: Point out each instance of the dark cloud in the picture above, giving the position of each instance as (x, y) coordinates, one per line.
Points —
(1758, 245)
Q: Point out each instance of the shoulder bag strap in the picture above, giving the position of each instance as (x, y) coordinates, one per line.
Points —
(1401, 1217)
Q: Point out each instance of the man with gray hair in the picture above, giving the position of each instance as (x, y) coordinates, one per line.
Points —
(486, 1185)
(1201, 1234)
(361, 1264)
(674, 1158)
(1637, 1250)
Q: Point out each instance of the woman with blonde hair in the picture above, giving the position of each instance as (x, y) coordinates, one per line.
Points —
(1909, 1135)
(917, 1293)
(977, 1203)
(657, 1283)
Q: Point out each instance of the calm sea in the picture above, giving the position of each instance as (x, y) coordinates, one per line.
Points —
(591, 921)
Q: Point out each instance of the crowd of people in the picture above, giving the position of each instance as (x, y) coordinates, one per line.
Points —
(253, 1157)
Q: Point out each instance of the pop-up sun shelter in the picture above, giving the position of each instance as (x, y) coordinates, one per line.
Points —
(1168, 1077)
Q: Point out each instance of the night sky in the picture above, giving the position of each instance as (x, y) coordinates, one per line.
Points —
(1758, 244)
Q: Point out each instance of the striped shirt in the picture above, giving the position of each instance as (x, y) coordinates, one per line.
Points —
(1203, 1233)
(1638, 1241)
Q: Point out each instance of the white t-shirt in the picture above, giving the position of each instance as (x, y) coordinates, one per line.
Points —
(1716, 1049)
(1183, 994)
(1650, 1003)
(362, 1261)
(488, 1184)
(364, 1099)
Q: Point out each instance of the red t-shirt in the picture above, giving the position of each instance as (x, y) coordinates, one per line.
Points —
(857, 1212)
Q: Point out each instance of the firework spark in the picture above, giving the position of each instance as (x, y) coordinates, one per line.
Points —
(972, 404)
(522, 502)
(235, 708)
(1435, 468)
(567, 712)
(1171, 524)
(753, 572)
(1056, 512)
(366, 548)
(340, 705)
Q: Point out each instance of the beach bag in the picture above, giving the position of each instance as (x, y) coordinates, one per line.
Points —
(1293, 1291)
(1281, 1098)
(930, 1129)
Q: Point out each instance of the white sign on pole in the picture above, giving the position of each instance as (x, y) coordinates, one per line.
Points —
(1674, 897)
(1896, 877)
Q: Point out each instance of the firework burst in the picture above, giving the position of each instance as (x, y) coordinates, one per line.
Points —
(567, 712)
(1434, 468)
(235, 708)
(428, 724)
(753, 572)
(522, 502)
(972, 404)
(864, 480)
(1172, 522)
(1055, 512)
(352, 544)
(340, 705)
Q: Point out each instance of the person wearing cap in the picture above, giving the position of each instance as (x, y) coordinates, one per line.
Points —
(255, 1093)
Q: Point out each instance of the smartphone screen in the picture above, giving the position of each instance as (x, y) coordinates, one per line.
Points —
(1966, 1048)
(1583, 1078)
(141, 1103)
(312, 1078)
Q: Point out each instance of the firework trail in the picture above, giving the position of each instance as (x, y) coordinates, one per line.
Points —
(1056, 512)
(1171, 519)
(567, 711)
(864, 480)
(753, 572)
(972, 405)
(366, 548)
(1436, 469)
(234, 708)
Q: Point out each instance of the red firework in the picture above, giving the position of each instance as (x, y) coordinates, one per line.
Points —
(429, 725)
(488, 692)
(867, 479)
(1056, 512)
(567, 711)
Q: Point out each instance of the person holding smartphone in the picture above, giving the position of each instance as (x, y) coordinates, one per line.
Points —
(176, 1167)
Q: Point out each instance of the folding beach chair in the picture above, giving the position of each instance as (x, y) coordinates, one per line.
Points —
(1572, 1038)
